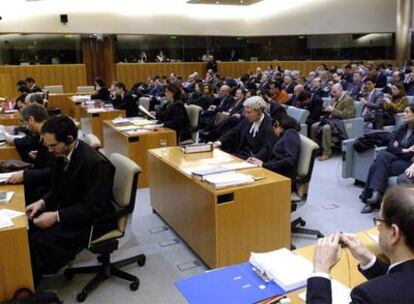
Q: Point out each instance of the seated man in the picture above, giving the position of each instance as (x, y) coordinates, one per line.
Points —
(386, 283)
(342, 108)
(371, 100)
(36, 179)
(62, 222)
(124, 100)
(252, 135)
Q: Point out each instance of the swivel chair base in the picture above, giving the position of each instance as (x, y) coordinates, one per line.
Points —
(105, 271)
(300, 230)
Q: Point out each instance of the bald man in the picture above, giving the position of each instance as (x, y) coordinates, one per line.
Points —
(341, 107)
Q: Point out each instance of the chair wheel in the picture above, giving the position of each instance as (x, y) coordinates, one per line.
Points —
(81, 296)
(141, 261)
(68, 275)
(320, 235)
(302, 223)
(134, 285)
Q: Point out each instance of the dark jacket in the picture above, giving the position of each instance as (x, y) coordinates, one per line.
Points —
(224, 104)
(241, 143)
(381, 288)
(315, 109)
(283, 157)
(102, 94)
(397, 143)
(127, 103)
(174, 116)
(35, 89)
(81, 193)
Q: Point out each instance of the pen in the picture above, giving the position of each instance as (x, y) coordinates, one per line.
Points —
(251, 153)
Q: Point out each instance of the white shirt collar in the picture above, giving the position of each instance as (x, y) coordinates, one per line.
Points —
(69, 156)
(396, 264)
(256, 125)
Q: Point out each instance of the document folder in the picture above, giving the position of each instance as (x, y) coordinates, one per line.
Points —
(233, 284)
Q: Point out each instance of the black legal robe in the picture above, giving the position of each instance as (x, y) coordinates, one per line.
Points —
(81, 194)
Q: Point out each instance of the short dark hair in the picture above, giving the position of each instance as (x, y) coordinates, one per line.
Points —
(37, 111)
(276, 84)
(304, 95)
(61, 127)
(175, 89)
(286, 122)
(29, 79)
(101, 82)
(20, 82)
(121, 85)
(372, 79)
(398, 209)
(23, 88)
(35, 98)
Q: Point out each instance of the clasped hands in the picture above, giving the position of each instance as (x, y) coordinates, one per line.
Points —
(41, 220)
(328, 251)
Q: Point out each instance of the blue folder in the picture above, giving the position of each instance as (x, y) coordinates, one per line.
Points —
(233, 284)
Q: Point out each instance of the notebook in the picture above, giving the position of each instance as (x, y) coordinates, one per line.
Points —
(228, 179)
(286, 268)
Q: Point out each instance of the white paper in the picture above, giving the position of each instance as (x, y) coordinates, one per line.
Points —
(10, 214)
(11, 111)
(98, 110)
(5, 222)
(288, 269)
(9, 196)
(141, 108)
(340, 293)
(239, 166)
(5, 176)
(228, 179)
(20, 135)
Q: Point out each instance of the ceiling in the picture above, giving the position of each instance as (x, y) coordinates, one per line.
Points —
(224, 2)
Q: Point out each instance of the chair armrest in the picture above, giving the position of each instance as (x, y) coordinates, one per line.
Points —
(354, 127)
(348, 153)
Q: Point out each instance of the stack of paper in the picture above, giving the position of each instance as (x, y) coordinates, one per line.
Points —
(10, 214)
(203, 172)
(284, 267)
(9, 196)
(228, 179)
(5, 222)
(340, 293)
(96, 110)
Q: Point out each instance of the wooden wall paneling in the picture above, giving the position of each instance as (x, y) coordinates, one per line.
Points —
(7, 88)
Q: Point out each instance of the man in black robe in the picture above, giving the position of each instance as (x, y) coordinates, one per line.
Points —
(61, 222)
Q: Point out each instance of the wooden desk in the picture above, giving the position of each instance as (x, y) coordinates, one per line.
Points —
(136, 146)
(63, 102)
(221, 226)
(12, 119)
(8, 152)
(342, 272)
(15, 264)
(93, 122)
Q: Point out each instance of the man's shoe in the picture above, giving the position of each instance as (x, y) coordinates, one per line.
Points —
(324, 157)
(368, 209)
(375, 198)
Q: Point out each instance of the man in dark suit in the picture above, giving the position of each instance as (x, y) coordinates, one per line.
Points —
(62, 222)
(386, 283)
(32, 86)
(37, 178)
(124, 100)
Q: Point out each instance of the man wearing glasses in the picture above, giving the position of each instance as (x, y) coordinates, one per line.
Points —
(386, 283)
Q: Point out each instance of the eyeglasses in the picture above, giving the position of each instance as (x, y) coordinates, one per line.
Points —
(378, 220)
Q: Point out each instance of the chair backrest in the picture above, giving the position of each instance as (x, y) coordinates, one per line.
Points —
(358, 109)
(326, 101)
(85, 89)
(193, 112)
(307, 155)
(145, 102)
(300, 115)
(125, 185)
(93, 141)
(399, 120)
(54, 88)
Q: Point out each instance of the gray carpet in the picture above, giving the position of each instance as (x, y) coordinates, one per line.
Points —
(332, 205)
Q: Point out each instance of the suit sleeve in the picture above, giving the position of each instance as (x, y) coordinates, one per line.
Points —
(175, 119)
(97, 200)
(291, 154)
(378, 269)
(347, 112)
(398, 136)
(319, 291)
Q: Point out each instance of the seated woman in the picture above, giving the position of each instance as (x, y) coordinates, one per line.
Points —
(101, 90)
(396, 104)
(252, 135)
(392, 162)
(124, 101)
(173, 114)
(283, 156)
(21, 99)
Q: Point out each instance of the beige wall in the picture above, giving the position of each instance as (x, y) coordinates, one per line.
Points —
(271, 18)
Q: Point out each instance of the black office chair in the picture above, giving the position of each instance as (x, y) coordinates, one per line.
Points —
(124, 191)
(308, 152)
